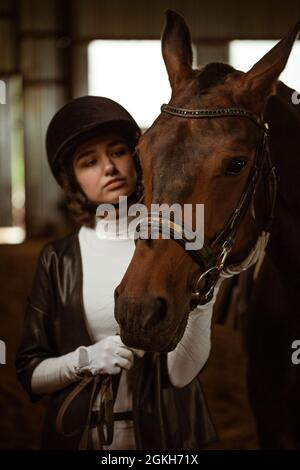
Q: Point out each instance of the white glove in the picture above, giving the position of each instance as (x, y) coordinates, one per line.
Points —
(107, 356)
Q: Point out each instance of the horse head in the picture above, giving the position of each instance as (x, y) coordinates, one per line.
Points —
(216, 158)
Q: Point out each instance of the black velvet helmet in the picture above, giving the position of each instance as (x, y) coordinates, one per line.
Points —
(82, 119)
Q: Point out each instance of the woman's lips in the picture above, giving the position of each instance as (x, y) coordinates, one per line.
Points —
(113, 184)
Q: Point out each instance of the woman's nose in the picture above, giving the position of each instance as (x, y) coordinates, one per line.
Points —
(109, 166)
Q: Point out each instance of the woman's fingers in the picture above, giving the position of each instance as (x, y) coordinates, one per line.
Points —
(126, 353)
(116, 369)
(124, 363)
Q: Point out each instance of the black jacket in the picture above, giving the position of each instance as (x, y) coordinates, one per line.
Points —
(165, 417)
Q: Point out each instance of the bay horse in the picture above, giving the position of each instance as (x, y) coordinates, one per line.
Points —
(211, 145)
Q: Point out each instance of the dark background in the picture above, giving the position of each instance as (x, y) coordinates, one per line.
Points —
(43, 61)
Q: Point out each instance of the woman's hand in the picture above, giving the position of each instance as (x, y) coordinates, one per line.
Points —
(107, 356)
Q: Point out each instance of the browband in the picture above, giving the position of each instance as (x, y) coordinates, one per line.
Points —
(213, 113)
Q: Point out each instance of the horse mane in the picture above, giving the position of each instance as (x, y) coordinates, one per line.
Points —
(212, 74)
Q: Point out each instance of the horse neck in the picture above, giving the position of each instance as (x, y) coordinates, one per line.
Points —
(284, 124)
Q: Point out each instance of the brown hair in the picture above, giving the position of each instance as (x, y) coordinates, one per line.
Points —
(75, 198)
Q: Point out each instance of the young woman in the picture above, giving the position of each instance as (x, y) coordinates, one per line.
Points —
(102, 393)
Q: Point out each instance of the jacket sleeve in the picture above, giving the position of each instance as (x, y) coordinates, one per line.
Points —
(190, 355)
(37, 341)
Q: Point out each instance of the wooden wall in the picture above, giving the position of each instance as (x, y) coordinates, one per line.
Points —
(45, 43)
(215, 20)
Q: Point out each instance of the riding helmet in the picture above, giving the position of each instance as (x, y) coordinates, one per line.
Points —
(82, 119)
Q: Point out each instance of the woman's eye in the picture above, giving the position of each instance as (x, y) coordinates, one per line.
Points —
(235, 166)
(120, 152)
(89, 163)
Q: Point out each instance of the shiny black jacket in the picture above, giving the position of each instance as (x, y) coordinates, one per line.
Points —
(165, 417)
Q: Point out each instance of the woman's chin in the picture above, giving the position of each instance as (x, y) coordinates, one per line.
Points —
(113, 198)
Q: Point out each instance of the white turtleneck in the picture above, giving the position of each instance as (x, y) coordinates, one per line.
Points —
(105, 258)
(106, 252)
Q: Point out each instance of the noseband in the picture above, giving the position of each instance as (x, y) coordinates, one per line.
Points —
(212, 257)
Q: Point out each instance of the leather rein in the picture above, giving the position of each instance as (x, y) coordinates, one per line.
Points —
(212, 257)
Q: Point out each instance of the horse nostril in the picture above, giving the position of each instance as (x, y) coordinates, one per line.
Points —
(162, 307)
(154, 311)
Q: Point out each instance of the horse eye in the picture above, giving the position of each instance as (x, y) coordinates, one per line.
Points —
(235, 166)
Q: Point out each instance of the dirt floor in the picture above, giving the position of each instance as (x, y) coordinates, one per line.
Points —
(20, 425)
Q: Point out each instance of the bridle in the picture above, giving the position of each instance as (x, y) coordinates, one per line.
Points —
(212, 257)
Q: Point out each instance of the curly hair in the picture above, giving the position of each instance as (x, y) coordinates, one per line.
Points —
(78, 204)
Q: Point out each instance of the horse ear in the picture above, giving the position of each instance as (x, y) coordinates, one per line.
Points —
(176, 47)
(261, 80)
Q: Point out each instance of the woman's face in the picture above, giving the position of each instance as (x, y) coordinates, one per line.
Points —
(105, 169)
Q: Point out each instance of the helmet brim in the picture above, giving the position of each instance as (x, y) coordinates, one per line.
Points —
(125, 128)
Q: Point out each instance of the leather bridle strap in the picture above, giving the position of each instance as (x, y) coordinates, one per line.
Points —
(227, 234)
(160, 224)
(69, 400)
(208, 257)
(105, 420)
(232, 225)
(212, 113)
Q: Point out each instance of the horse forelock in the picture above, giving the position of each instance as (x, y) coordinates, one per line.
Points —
(213, 74)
